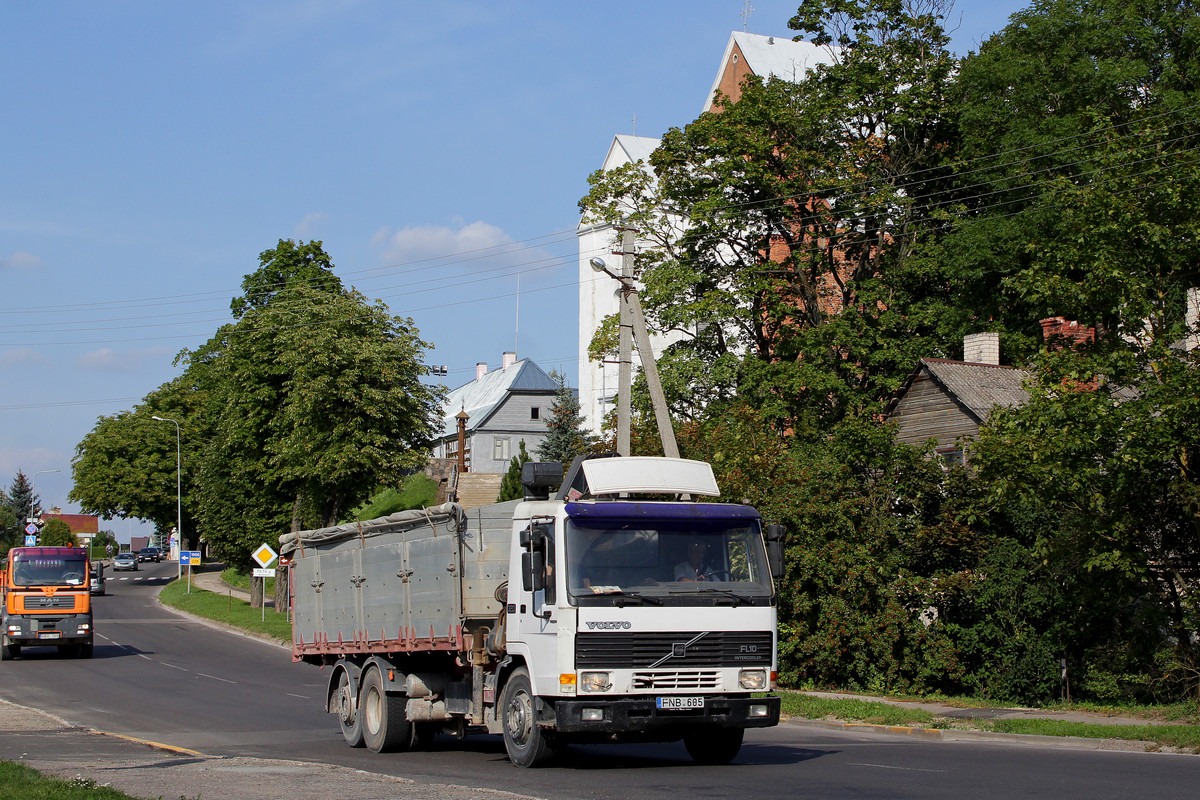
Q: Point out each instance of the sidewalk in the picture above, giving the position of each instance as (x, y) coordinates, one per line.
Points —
(208, 578)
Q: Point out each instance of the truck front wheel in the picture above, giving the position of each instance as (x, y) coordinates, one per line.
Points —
(384, 721)
(9, 651)
(526, 743)
(719, 746)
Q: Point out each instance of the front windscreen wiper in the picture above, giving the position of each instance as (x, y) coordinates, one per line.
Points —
(739, 598)
(622, 595)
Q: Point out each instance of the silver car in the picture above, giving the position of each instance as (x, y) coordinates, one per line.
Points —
(125, 561)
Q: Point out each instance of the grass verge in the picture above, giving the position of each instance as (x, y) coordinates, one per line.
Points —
(794, 704)
(1184, 737)
(228, 611)
(20, 781)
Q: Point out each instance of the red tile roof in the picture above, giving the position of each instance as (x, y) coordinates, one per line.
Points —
(79, 523)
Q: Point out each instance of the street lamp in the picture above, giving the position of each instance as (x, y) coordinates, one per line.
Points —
(178, 496)
(33, 489)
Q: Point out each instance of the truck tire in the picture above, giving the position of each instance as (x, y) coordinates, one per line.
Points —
(348, 712)
(719, 746)
(385, 725)
(9, 651)
(526, 743)
(85, 650)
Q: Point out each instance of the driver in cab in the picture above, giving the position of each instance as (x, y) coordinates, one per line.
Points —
(696, 566)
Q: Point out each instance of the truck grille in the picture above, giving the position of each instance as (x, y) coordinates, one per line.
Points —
(59, 602)
(672, 649)
(676, 680)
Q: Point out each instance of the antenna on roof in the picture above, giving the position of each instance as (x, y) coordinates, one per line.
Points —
(635, 124)
(746, 12)
(517, 327)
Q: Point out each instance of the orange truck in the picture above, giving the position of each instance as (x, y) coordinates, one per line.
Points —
(46, 601)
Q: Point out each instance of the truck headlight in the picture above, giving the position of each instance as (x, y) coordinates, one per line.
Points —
(594, 682)
(14, 628)
(754, 680)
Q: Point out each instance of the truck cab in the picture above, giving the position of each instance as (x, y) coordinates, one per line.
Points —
(46, 601)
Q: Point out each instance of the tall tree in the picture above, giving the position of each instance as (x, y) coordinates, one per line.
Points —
(566, 434)
(779, 228)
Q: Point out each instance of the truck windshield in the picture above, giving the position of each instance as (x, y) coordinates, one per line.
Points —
(694, 561)
(42, 570)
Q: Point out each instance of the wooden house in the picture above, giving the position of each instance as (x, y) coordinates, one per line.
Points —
(947, 400)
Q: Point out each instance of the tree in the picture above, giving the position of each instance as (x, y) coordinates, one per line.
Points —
(289, 264)
(778, 229)
(566, 436)
(314, 398)
(511, 487)
(56, 533)
(21, 500)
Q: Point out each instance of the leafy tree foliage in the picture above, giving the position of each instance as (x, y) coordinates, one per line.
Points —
(56, 533)
(511, 487)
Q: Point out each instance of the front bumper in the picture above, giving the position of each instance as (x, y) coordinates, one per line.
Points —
(641, 715)
(50, 630)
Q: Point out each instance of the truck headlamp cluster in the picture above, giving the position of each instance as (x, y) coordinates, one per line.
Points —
(14, 628)
(594, 682)
(754, 680)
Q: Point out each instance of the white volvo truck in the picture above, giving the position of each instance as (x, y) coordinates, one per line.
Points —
(622, 610)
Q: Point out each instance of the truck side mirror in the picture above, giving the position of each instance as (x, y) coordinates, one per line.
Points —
(774, 535)
(533, 571)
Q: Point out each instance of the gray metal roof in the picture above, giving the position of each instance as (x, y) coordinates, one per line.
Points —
(979, 387)
(482, 396)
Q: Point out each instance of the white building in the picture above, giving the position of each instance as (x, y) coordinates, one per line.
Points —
(745, 54)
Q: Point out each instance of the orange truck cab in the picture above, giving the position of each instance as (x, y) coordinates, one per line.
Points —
(46, 601)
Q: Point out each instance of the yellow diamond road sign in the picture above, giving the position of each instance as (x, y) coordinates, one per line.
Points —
(264, 555)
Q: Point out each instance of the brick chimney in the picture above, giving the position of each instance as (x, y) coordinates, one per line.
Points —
(508, 359)
(1059, 331)
(982, 348)
(480, 369)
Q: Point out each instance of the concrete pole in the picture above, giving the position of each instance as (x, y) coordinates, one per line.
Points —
(625, 357)
(666, 433)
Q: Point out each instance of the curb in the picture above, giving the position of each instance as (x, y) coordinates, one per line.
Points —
(990, 737)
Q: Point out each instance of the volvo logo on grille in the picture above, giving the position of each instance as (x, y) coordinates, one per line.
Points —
(679, 649)
(610, 626)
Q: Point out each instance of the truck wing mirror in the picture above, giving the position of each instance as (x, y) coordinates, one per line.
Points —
(533, 571)
(774, 535)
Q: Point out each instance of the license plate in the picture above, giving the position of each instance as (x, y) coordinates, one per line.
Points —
(670, 703)
(50, 635)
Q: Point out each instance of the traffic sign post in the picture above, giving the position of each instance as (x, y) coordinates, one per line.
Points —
(264, 556)
(188, 558)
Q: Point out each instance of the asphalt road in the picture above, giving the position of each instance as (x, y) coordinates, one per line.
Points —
(163, 678)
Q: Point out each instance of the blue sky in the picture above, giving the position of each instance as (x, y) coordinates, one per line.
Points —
(152, 150)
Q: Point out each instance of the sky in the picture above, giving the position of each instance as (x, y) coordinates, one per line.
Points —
(150, 152)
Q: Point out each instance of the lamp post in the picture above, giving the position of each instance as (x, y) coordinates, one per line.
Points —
(33, 489)
(178, 496)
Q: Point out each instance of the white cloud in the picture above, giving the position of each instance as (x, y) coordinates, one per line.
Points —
(21, 358)
(108, 360)
(20, 260)
(437, 241)
(310, 226)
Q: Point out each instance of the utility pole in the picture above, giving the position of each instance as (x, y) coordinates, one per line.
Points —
(625, 341)
(633, 324)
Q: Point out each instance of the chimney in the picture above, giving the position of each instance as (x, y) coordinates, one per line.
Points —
(1193, 319)
(508, 359)
(480, 369)
(1068, 332)
(982, 348)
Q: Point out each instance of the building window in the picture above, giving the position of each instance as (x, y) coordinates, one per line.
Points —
(951, 457)
(535, 413)
(500, 450)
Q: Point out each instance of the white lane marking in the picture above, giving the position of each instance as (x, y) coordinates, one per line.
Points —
(301, 696)
(172, 666)
(214, 677)
(891, 766)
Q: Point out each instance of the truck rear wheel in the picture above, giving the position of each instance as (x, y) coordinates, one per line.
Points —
(719, 746)
(385, 725)
(349, 716)
(526, 743)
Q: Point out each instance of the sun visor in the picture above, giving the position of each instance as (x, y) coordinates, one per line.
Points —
(649, 475)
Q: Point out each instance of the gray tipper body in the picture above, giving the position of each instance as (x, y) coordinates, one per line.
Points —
(412, 581)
